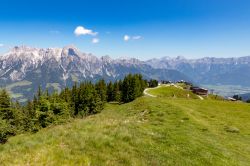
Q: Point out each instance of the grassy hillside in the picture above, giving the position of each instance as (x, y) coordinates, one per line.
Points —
(171, 91)
(148, 131)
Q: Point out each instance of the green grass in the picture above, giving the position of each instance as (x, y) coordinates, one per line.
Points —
(215, 97)
(148, 131)
(173, 92)
(183, 85)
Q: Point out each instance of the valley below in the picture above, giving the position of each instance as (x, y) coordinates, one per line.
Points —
(228, 90)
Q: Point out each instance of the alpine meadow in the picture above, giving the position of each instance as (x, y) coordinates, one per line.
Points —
(125, 83)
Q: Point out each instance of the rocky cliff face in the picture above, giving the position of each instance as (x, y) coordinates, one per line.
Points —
(23, 69)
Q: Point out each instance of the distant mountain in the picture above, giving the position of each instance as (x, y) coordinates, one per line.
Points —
(23, 69)
(224, 71)
(245, 96)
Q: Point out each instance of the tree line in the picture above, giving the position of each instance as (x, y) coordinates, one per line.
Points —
(153, 83)
(81, 100)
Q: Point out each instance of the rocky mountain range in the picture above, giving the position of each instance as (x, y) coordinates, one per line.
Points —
(23, 69)
(212, 71)
(245, 97)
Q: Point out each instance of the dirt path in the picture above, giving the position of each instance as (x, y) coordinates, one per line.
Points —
(200, 97)
(177, 86)
(147, 94)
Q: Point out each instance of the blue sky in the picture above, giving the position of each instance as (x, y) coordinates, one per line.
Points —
(152, 28)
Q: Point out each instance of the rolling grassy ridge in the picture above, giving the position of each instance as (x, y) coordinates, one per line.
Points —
(165, 130)
(171, 91)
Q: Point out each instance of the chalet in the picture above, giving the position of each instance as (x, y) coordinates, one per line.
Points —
(199, 91)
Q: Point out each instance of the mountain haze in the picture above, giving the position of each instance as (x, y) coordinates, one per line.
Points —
(224, 71)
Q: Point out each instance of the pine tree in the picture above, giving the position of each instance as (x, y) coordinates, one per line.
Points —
(66, 94)
(5, 105)
(30, 119)
(74, 98)
(46, 109)
(143, 84)
(18, 116)
(39, 92)
(132, 87)
(95, 103)
(47, 93)
(44, 113)
(35, 101)
(125, 90)
(5, 130)
(116, 92)
(110, 96)
(6, 117)
(153, 83)
(102, 89)
(4, 99)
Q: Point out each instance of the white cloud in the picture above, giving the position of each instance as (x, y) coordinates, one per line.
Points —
(95, 40)
(1, 45)
(126, 38)
(80, 30)
(137, 37)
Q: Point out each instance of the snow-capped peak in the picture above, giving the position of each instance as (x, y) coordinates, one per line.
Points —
(22, 59)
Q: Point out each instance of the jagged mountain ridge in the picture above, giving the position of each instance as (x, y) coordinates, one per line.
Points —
(23, 69)
(209, 70)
